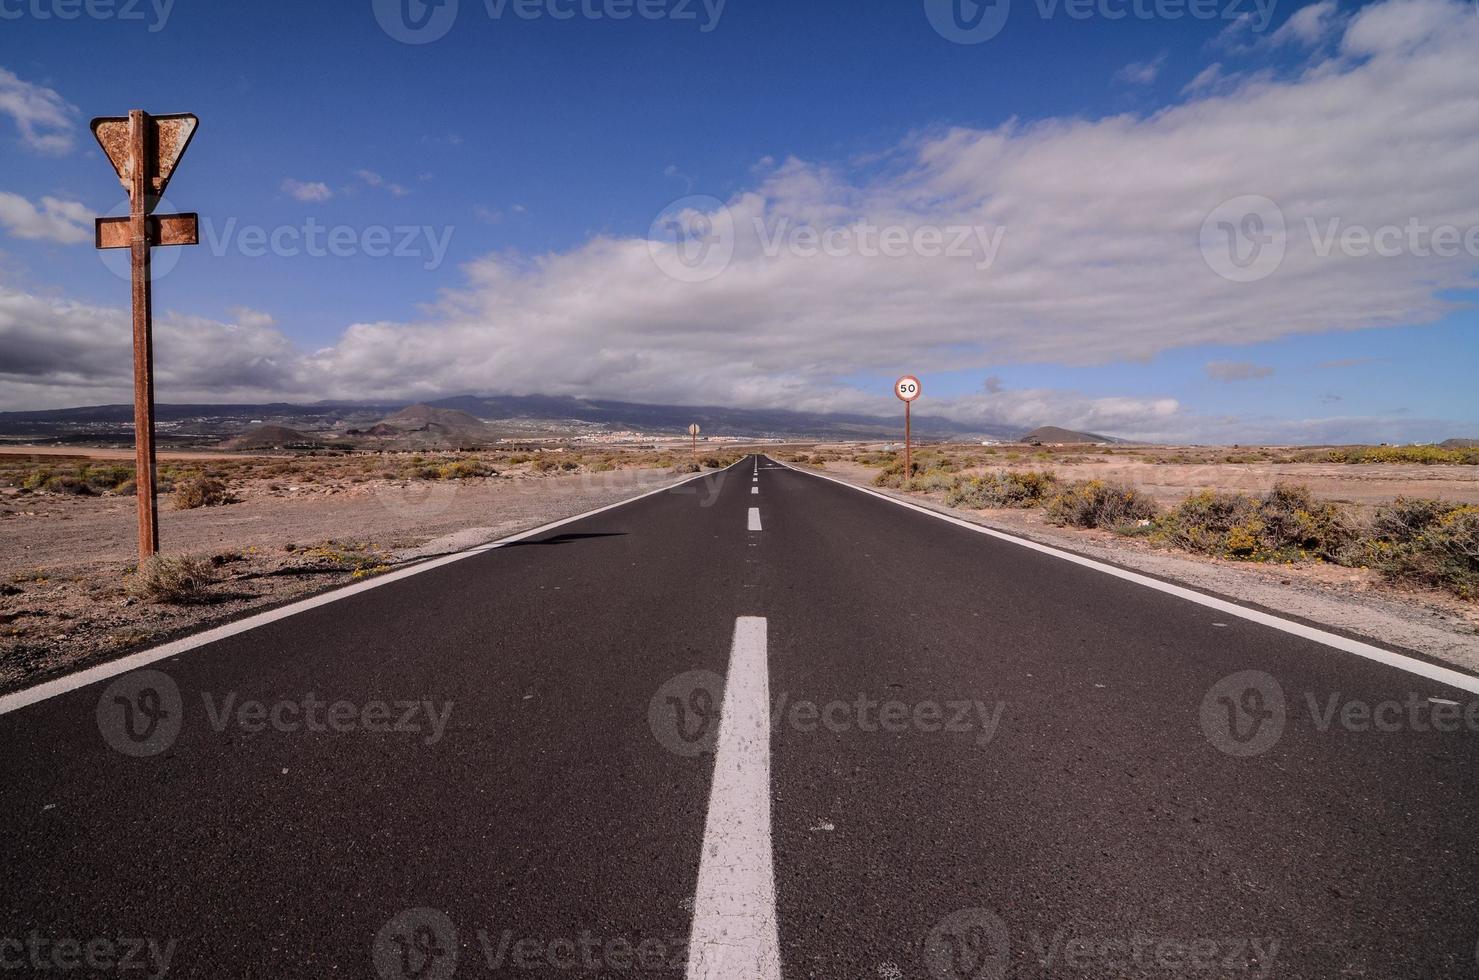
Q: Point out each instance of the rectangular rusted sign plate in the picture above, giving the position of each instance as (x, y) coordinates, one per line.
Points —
(164, 229)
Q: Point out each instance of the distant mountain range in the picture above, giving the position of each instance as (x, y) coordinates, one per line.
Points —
(1050, 434)
(508, 416)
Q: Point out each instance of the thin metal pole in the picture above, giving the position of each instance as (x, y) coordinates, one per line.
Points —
(144, 463)
(908, 456)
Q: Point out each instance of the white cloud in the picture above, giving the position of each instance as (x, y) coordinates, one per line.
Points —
(60, 352)
(1205, 79)
(1141, 72)
(46, 120)
(252, 319)
(1239, 36)
(307, 191)
(65, 222)
(1099, 262)
(1308, 25)
(1029, 408)
(1400, 26)
(372, 179)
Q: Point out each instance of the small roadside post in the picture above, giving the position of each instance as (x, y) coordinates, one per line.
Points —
(906, 389)
(693, 431)
(145, 151)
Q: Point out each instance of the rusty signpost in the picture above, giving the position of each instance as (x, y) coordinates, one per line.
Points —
(145, 150)
(906, 389)
(693, 431)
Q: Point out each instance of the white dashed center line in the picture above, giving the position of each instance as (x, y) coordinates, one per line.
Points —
(754, 489)
(734, 926)
(755, 519)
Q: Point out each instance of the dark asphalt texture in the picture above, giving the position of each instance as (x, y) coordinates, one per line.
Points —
(1096, 826)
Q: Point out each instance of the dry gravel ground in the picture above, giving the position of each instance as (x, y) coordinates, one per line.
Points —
(1352, 600)
(65, 561)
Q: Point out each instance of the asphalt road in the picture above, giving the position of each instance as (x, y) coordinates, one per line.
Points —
(858, 742)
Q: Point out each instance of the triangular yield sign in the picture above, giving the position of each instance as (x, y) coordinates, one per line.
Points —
(168, 137)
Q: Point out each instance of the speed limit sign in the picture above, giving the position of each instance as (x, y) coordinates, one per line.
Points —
(906, 389)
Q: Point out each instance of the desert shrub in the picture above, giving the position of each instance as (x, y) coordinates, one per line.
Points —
(69, 484)
(544, 464)
(1285, 524)
(172, 579)
(464, 469)
(1405, 520)
(1426, 455)
(359, 559)
(687, 466)
(36, 479)
(1094, 503)
(1004, 488)
(1427, 542)
(1205, 521)
(927, 461)
(200, 491)
(934, 481)
(603, 467)
(105, 478)
(892, 475)
(1295, 525)
(82, 480)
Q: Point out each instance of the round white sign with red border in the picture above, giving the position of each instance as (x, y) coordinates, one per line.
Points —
(907, 388)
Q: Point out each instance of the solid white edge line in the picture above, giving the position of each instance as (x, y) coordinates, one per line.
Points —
(82, 678)
(735, 935)
(754, 522)
(1442, 675)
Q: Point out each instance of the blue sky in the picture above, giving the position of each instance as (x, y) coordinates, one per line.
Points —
(535, 148)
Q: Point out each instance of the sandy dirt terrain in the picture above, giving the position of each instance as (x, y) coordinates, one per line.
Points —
(65, 561)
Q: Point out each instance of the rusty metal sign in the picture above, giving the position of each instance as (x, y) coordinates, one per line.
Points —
(164, 229)
(145, 150)
(166, 137)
